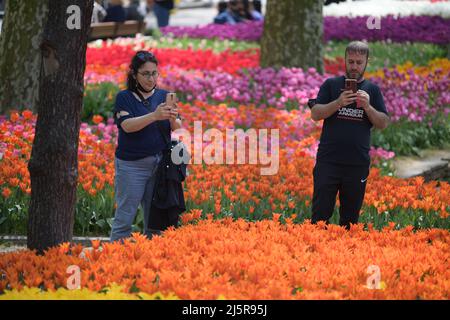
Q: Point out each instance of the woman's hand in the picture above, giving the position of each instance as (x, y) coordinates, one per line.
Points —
(175, 120)
(162, 112)
(174, 112)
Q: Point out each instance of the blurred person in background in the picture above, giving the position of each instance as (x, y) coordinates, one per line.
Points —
(99, 13)
(225, 13)
(222, 7)
(135, 11)
(161, 9)
(247, 11)
(115, 12)
(237, 11)
(257, 6)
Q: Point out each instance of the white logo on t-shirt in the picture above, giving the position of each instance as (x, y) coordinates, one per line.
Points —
(354, 114)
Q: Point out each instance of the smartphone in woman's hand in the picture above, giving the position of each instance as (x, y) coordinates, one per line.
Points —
(171, 99)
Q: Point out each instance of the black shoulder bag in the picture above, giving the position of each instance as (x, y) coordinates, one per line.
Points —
(171, 146)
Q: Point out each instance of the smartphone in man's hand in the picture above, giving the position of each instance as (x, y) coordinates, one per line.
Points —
(351, 84)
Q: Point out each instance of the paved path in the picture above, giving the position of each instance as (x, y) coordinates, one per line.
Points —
(11, 248)
(196, 16)
(406, 167)
(186, 17)
(15, 243)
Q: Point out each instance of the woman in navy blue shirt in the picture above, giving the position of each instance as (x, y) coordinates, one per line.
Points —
(142, 117)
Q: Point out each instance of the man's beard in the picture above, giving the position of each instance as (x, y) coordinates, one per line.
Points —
(358, 77)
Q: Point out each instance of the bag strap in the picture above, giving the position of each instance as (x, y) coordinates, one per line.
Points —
(168, 143)
(160, 129)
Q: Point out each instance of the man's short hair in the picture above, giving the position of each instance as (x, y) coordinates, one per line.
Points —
(359, 47)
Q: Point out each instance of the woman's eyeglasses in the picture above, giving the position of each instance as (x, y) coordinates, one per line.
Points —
(148, 74)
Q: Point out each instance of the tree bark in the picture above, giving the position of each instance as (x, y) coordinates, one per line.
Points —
(293, 34)
(53, 165)
(20, 55)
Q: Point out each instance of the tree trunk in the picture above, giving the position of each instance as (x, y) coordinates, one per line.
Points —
(293, 34)
(20, 55)
(53, 165)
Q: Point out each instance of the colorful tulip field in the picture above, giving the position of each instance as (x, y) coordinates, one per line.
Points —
(432, 29)
(245, 235)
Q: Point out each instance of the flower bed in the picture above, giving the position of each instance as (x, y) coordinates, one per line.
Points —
(244, 235)
(438, 69)
(227, 61)
(411, 96)
(112, 292)
(430, 29)
(101, 68)
(398, 29)
(287, 88)
(412, 93)
(247, 260)
(222, 190)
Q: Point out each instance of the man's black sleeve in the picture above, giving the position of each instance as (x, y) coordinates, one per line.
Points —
(324, 95)
(377, 101)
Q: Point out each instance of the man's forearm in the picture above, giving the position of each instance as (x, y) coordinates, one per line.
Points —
(379, 119)
(138, 123)
(323, 111)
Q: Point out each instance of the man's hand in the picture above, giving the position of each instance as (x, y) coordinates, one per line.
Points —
(379, 119)
(363, 99)
(346, 98)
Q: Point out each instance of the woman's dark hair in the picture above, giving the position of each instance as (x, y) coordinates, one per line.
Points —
(139, 59)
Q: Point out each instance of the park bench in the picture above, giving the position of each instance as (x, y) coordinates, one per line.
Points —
(116, 29)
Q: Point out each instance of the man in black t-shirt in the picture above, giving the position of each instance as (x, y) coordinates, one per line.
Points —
(343, 160)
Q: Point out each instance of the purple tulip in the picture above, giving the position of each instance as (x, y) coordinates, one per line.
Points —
(430, 29)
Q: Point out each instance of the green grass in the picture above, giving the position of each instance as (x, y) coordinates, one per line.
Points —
(202, 44)
(383, 54)
(408, 138)
(95, 219)
(98, 99)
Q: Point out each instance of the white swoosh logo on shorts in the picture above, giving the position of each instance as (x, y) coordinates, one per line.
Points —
(362, 181)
